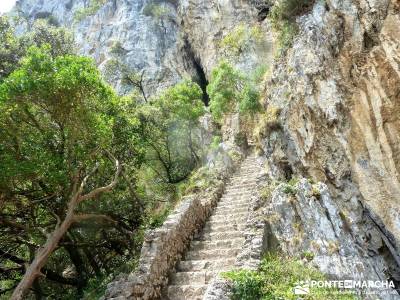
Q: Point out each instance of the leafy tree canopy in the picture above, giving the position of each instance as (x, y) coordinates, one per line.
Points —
(229, 91)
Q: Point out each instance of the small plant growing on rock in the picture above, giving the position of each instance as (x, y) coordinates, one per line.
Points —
(268, 122)
(241, 140)
(333, 247)
(291, 187)
(276, 278)
(267, 190)
(240, 38)
(117, 49)
(266, 193)
(90, 10)
(308, 255)
(216, 141)
(315, 192)
(247, 284)
(155, 10)
(283, 18)
(231, 91)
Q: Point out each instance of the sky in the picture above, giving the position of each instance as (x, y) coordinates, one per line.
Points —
(6, 5)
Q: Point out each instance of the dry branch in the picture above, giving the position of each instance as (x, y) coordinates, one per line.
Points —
(44, 252)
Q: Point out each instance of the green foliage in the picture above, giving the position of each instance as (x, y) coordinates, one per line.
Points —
(247, 284)
(168, 127)
(13, 48)
(62, 92)
(155, 10)
(223, 89)
(241, 140)
(276, 279)
(216, 141)
(157, 218)
(117, 49)
(116, 70)
(200, 179)
(268, 122)
(90, 10)
(308, 255)
(240, 39)
(229, 91)
(56, 118)
(283, 18)
(249, 99)
(10, 48)
(290, 188)
(266, 192)
(259, 73)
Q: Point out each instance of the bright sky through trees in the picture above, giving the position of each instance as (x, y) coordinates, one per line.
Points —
(6, 5)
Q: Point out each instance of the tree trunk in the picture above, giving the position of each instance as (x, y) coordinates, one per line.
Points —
(44, 252)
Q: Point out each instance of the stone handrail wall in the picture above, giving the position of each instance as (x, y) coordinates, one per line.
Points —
(163, 247)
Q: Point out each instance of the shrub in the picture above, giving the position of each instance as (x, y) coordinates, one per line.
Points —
(215, 142)
(157, 219)
(268, 122)
(229, 91)
(290, 188)
(117, 49)
(283, 15)
(249, 100)
(223, 89)
(92, 9)
(241, 140)
(266, 193)
(155, 10)
(247, 284)
(240, 38)
(276, 278)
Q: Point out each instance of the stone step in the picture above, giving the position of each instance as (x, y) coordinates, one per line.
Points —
(223, 226)
(231, 206)
(240, 188)
(242, 193)
(221, 244)
(245, 198)
(226, 222)
(234, 201)
(220, 235)
(186, 292)
(225, 211)
(212, 254)
(198, 265)
(243, 179)
(244, 184)
(238, 216)
(215, 248)
(211, 232)
(197, 278)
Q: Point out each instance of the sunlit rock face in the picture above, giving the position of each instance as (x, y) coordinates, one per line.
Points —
(339, 91)
(181, 39)
(148, 43)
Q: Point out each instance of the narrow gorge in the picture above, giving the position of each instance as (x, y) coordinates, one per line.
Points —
(308, 171)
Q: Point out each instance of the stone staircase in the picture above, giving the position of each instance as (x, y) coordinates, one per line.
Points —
(214, 250)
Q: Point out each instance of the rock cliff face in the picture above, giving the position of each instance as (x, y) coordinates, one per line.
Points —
(168, 39)
(338, 90)
(148, 43)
